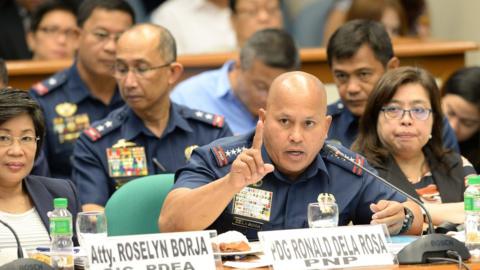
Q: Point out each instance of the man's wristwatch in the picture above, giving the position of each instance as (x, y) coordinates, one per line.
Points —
(408, 221)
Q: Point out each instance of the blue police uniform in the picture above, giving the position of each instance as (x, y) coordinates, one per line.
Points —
(344, 127)
(276, 202)
(98, 169)
(69, 107)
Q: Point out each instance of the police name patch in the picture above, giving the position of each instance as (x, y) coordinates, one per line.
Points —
(253, 203)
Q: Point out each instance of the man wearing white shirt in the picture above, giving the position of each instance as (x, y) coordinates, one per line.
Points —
(199, 26)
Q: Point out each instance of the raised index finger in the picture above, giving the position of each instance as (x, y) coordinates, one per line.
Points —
(258, 137)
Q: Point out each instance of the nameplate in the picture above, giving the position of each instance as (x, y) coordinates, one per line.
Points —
(186, 250)
(320, 248)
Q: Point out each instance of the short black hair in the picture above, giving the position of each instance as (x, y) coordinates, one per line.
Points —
(88, 6)
(352, 35)
(273, 47)
(464, 82)
(47, 7)
(3, 73)
(15, 102)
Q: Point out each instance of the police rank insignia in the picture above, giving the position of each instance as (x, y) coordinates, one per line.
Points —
(68, 126)
(125, 159)
(253, 203)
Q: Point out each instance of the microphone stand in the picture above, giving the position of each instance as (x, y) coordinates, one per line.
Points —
(430, 245)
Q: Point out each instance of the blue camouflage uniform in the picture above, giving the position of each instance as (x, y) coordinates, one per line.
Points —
(69, 107)
(276, 202)
(344, 127)
(120, 147)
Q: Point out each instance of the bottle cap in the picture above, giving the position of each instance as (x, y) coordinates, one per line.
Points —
(474, 180)
(60, 203)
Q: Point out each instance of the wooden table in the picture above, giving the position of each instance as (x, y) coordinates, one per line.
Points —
(441, 58)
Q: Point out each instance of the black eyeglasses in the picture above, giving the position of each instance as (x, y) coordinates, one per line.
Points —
(419, 113)
(121, 70)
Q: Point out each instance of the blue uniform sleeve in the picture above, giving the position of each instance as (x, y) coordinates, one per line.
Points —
(373, 191)
(198, 172)
(88, 173)
(449, 138)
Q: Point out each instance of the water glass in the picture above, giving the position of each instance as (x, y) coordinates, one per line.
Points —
(322, 215)
(91, 226)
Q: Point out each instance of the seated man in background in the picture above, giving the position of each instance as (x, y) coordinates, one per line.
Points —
(150, 134)
(239, 89)
(250, 16)
(276, 171)
(53, 31)
(358, 54)
(200, 26)
(76, 97)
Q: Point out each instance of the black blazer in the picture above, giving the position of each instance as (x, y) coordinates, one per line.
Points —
(42, 191)
(449, 179)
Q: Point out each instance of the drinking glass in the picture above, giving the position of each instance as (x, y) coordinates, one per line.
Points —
(91, 226)
(322, 215)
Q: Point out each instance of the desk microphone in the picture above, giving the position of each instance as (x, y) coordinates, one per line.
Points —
(22, 263)
(427, 246)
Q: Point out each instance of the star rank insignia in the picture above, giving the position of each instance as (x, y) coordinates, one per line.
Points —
(226, 154)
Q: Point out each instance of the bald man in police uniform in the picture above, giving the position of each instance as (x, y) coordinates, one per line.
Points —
(266, 179)
(150, 135)
(86, 92)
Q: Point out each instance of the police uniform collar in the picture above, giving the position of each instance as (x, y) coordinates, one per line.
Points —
(77, 89)
(224, 87)
(176, 120)
(311, 171)
(134, 125)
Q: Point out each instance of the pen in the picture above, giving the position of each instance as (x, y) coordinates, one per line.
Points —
(159, 165)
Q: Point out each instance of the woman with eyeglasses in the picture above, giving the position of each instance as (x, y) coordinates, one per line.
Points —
(461, 105)
(25, 199)
(53, 31)
(401, 136)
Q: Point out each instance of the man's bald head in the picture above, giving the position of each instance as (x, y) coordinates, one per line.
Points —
(158, 35)
(294, 85)
(295, 124)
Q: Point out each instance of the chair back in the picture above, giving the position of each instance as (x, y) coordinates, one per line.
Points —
(135, 207)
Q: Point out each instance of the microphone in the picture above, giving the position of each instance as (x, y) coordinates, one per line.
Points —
(427, 246)
(22, 263)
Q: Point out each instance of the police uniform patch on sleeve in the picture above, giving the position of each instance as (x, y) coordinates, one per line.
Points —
(226, 154)
(341, 162)
(44, 87)
(209, 118)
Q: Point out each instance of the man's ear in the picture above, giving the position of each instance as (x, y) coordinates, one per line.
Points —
(394, 62)
(176, 71)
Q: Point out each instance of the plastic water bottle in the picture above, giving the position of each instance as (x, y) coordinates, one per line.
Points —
(472, 217)
(61, 232)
